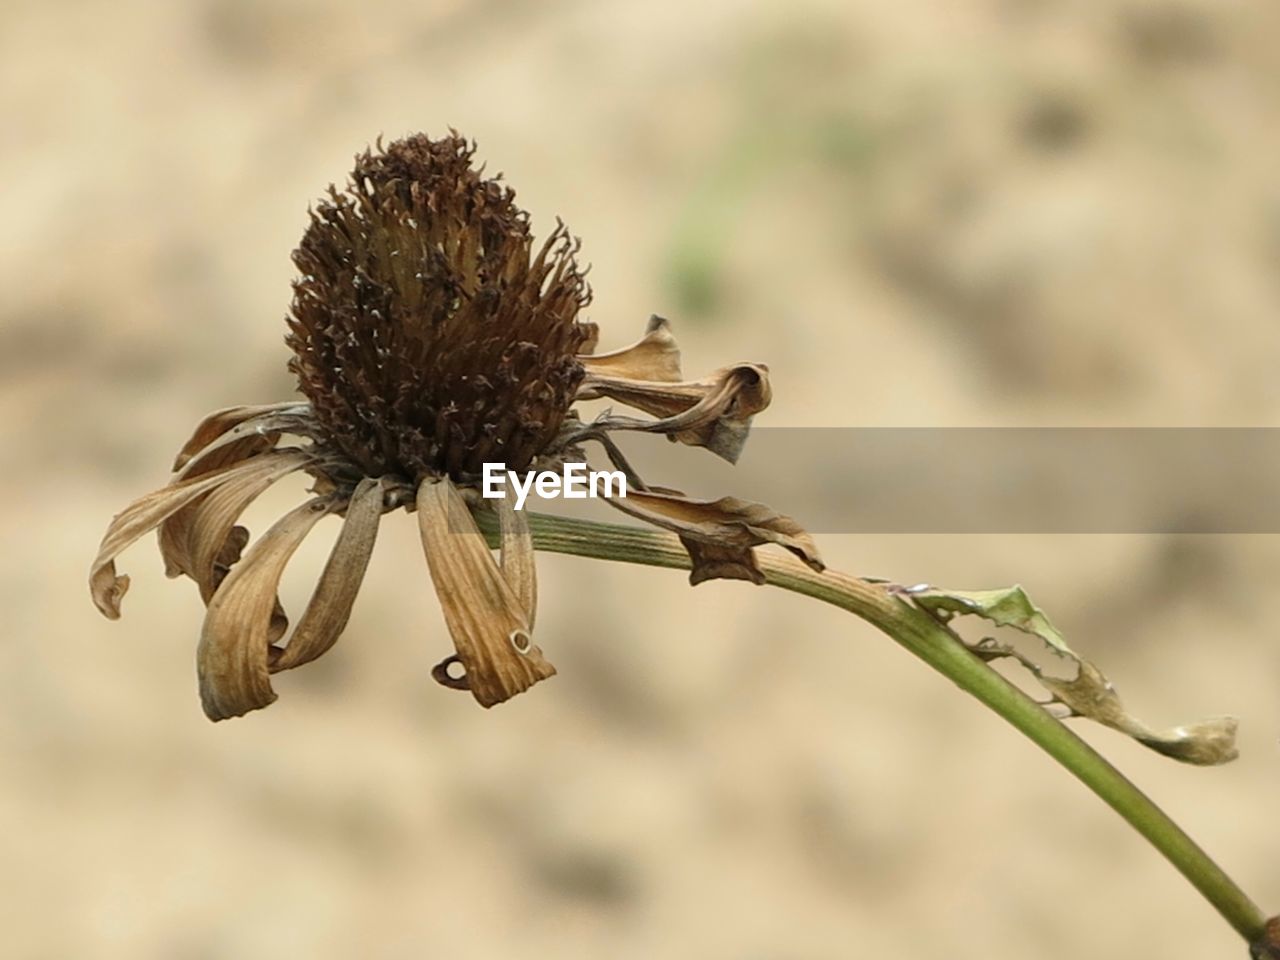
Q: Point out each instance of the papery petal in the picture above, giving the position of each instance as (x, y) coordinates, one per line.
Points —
(592, 340)
(233, 654)
(174, 537)
(327, 614)
(720, 534)
(247, 438)
(489, 626)
(653, 358)
(138, 519)
(227, 437)
(714, 412)
(219, 422)
(517, 559)
(197, 540)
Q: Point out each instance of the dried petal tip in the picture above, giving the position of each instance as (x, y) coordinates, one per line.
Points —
(428, 334)
(487, 609)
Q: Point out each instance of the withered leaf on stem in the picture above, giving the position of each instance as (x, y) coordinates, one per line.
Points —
(720, 534)
(1084, 690)
(1089, 694)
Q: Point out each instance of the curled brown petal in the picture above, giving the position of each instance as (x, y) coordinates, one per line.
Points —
(197, 540)
(138, 519)
(219, 422)
(223, 438)
(174, 537)
(714, 412)
(232, 657)
(720, 534)
(655, 357)
(248, 438)
(489, 627)
(327, 614)
(517, 559)
(233, 440)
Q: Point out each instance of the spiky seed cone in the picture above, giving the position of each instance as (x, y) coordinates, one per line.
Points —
(426, 333)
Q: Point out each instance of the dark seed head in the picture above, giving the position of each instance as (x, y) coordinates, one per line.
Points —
(427, 334)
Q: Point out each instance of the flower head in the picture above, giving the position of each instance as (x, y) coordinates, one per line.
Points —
(430, 337)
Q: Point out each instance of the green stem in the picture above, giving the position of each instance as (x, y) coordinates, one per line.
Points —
(931, 641)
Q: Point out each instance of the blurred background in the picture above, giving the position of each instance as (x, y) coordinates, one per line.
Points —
(986, 213)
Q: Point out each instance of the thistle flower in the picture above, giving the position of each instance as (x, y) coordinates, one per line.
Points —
(430, 337)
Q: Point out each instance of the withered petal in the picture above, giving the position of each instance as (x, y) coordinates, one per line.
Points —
(714, 412)
(488, 624)
(247, 439)
(251, 437)
(219, 422)
(138, 519)
(221, 440)
(517, 558)
(655, 357)
(233, 653)
(198, 539)
(327, 614)
(174, 537)
(719, 534)
(592, 337)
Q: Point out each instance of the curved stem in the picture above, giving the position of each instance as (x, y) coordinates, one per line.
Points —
(939, 647)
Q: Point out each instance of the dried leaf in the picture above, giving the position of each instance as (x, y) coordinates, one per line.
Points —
(1083, 689)
(718, 561)
(488, 624)
(655, 357)
(720, 534)
(327, 614)
(233, 655)
(714, 412)
(1089, 694)
(138, 519)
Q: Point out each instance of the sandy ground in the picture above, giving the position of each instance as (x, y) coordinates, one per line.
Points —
(939, 214)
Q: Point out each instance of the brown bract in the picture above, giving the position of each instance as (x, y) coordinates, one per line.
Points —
(430, 336)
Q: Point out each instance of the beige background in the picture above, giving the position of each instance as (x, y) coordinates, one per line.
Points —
(979, 213)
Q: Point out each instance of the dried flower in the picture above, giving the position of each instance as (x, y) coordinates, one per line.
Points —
(429, 338)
